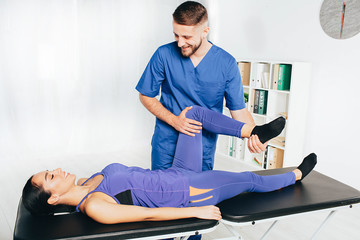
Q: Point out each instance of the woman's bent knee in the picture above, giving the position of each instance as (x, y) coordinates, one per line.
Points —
(193, 113)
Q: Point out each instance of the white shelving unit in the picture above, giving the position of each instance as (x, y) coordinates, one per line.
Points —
(291, 103)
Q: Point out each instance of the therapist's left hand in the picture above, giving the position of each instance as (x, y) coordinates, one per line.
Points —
(255, 146)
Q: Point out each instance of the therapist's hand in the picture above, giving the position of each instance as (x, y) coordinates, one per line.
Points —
(255, 146)
(186, 125)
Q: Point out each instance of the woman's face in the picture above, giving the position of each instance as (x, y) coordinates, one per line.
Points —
(56, 181)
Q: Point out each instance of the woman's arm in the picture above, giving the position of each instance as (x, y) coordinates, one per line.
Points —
(109, 213)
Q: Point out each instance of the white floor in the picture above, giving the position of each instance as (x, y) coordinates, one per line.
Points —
(344, 225)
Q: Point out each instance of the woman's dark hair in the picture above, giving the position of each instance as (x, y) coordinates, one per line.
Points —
(35, 199)
(190, 14)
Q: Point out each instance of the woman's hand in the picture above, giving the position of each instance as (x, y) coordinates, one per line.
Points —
(208, 212)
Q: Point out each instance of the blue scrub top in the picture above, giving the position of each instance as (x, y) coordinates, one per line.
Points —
(182, 85)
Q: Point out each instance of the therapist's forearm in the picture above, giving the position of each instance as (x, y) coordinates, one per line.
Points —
(155, 107)
(242, 115)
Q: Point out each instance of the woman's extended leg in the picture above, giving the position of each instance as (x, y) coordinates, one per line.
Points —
(224, 185)
(220, 185)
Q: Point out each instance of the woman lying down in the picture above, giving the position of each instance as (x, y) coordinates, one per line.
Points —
(120, 194)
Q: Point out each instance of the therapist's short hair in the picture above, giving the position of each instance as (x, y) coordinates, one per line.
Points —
(190, 13)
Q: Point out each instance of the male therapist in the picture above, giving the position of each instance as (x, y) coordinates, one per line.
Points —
(190, 71)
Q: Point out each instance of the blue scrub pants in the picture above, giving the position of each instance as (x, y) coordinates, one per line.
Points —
(223, 185)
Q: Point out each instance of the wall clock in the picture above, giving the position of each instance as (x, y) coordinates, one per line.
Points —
(340, 19)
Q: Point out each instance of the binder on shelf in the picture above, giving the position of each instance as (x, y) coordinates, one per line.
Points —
(284, 76)
(259, 101)
(256, 101)
(244, 68)
(238, 148)
(275, 77)
(265, 80)
(262, 102)
(278, 141)
(252, 100)
(252, 82)
(262, 75)
(265, 158)
(230, 146)
(275, 157)
(264, 165)
(223, 145)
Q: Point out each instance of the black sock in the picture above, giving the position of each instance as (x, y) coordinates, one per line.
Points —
(307, 165)
(270, 130)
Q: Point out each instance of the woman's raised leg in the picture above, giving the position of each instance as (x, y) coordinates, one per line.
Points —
(220, 124)
(188, 153)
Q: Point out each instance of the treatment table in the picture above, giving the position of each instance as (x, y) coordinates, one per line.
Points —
(316, 192)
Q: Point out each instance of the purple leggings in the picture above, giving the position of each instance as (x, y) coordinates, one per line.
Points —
(223, 185)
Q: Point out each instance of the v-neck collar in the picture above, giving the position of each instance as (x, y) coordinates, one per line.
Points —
(209, 53)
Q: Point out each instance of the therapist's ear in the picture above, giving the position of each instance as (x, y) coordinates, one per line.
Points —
(205, 32)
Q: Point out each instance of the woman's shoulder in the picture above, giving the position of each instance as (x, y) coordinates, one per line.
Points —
(113, 167)
(96, 200)
(92, 204)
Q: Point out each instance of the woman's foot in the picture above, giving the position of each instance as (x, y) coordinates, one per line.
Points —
(270, 130)
(306, 166)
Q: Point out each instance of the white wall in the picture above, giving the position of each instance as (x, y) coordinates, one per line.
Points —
(291, 31)
(68, 71)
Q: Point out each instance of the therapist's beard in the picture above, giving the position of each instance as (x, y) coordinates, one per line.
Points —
(193, 50)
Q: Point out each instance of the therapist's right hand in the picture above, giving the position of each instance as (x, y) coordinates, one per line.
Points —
(186, 125)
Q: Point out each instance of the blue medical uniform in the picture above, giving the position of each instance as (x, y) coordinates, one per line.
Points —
(182, 85)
